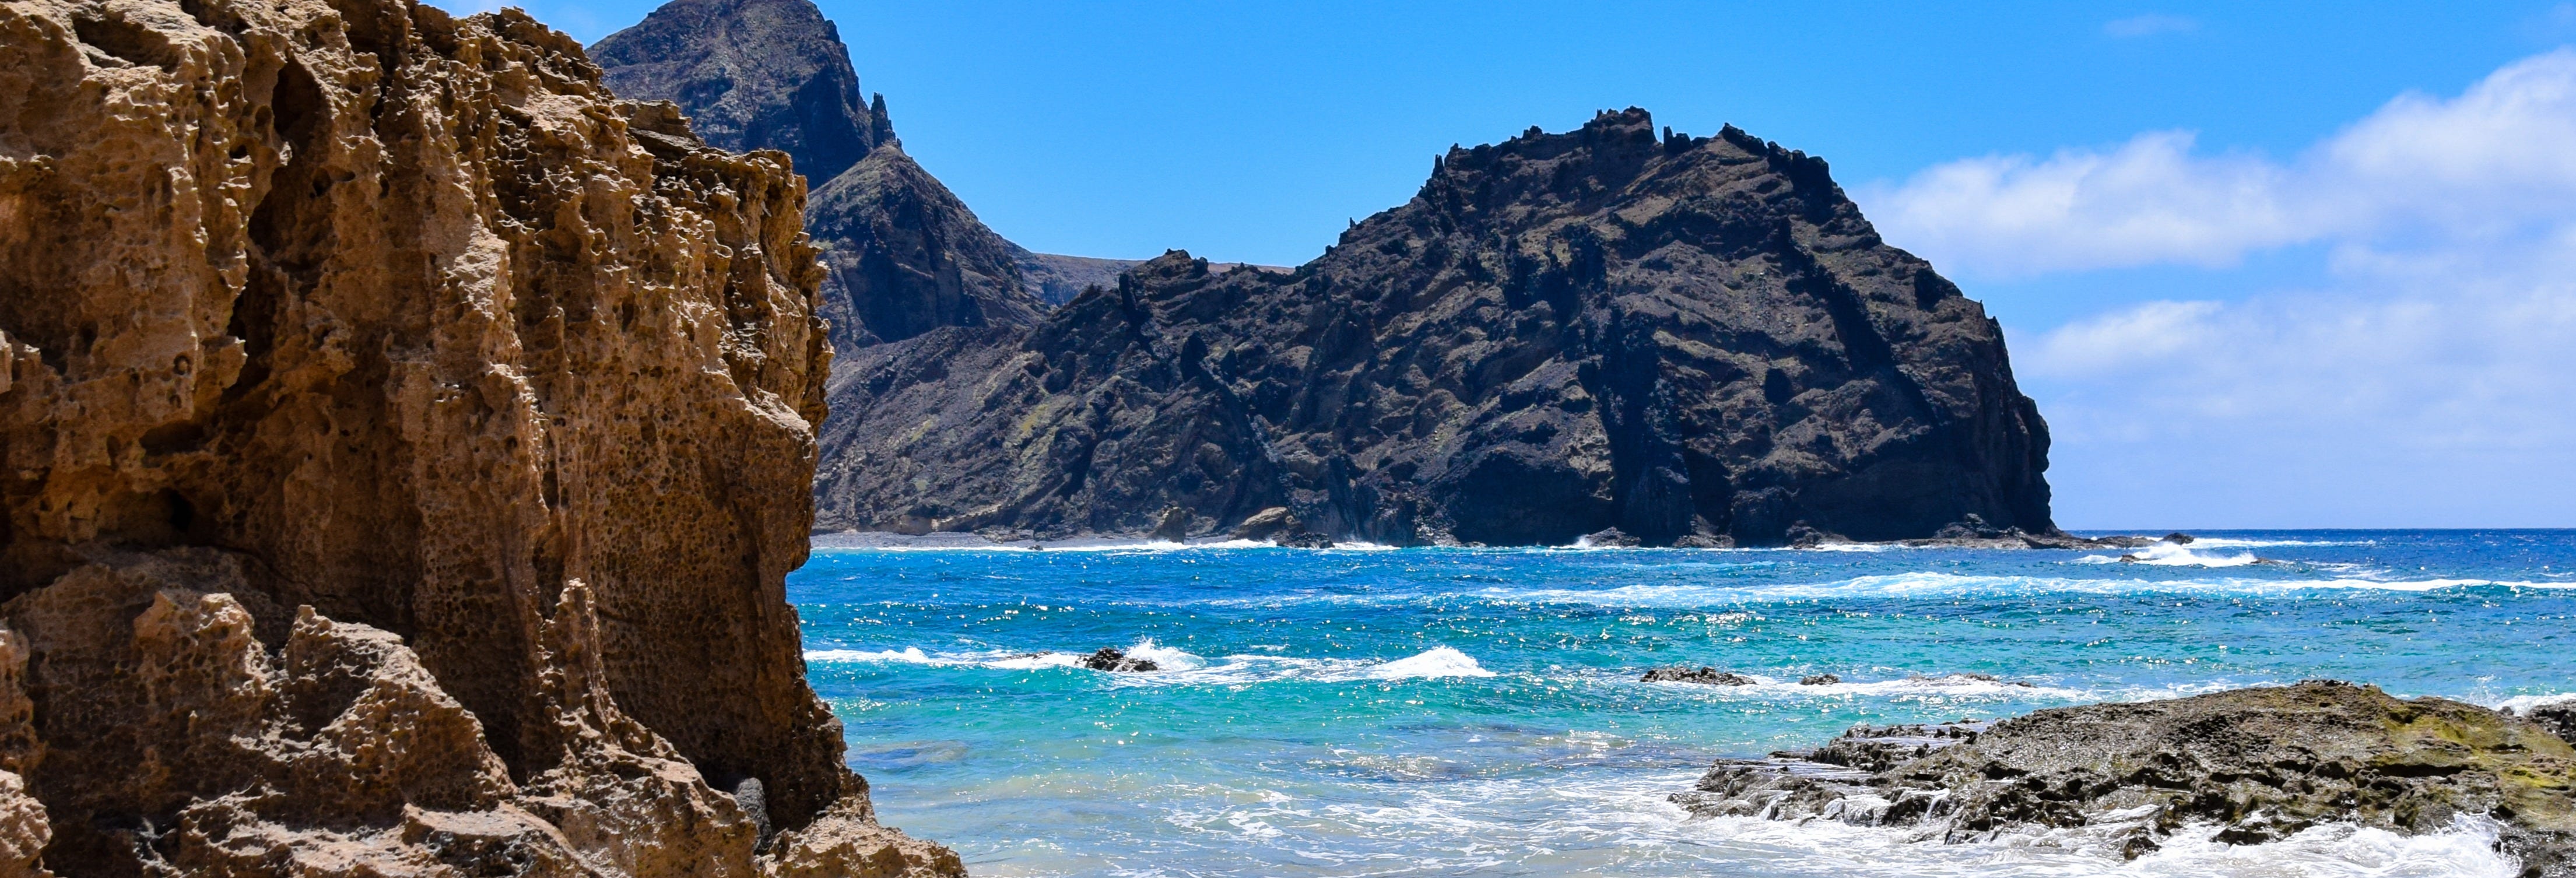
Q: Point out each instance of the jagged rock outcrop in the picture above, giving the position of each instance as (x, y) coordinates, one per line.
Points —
(751, 74)
(1690, 340)
(2259, 764)
(905, 255)
(402, 446)
(1056, 279)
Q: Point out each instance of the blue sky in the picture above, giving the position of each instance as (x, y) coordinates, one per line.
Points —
(2263, 265)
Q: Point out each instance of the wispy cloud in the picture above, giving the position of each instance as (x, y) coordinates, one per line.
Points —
(2420, 377)
(2499, 155)
(2149, 25)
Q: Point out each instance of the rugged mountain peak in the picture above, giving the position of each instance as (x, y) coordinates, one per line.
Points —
(904, 255)
(1686, 339)
(751, 74)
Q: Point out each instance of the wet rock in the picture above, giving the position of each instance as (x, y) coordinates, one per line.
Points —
(1266, 524)
(1115, 660)
(1610, 538)
(1306, 539)
(1681, 338)
(1819, 680)
(2260, 763)
(405, 449)
(1703, 675)
(2179, 538)
(2558, 717)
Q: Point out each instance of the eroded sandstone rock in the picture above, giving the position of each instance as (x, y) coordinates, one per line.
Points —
(402, 446)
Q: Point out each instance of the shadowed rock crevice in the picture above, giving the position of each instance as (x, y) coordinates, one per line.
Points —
(1693, 341)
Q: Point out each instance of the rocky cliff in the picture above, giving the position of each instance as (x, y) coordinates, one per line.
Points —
(905, 256)
(405, 443)
(1685, 339)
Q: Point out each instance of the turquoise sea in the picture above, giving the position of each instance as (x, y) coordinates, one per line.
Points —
(1477, 711)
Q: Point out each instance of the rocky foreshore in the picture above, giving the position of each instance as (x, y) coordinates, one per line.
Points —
(2259, 764)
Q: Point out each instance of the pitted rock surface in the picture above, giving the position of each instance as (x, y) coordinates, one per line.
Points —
(1694, 341)
(405, 444)
(2259, 764)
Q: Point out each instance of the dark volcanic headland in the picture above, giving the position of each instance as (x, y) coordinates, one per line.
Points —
(1648, 338)
(1686, 340)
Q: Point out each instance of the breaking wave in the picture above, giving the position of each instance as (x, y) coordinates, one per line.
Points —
(1180, 667)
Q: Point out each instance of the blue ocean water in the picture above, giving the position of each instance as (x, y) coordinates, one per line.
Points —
(1477, 711)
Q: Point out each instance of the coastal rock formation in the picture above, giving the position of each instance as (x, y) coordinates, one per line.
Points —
(1692, 340)
(2559, 718)
(405, 443)
(1115, 660)
(904, 255)
(1705, 676)
(2260, 764)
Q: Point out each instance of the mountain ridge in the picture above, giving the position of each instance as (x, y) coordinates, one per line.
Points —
(1682, 340)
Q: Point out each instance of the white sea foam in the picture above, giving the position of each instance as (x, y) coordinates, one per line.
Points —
(1180, 667)
(913, 655)
(1438, 661)
(1945, 585)
(2522, 704)
(1440, 820)
(2170, 555)
(2235, 543)
(1164, 657)
(2465, 850)
(907, 655)
(1901, 689)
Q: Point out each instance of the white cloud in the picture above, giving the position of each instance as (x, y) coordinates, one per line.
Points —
(2498, 156)
(2148, 201)
(2423, 388)
(2423, 376)
(2149, 25)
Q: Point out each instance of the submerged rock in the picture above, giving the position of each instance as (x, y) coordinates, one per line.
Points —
(406, 444)
(1114, 660)
(1692, 340)
(1819, 680)
(2260, 764)
(1704, 676)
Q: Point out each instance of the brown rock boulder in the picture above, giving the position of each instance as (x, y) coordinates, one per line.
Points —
(402, 446)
